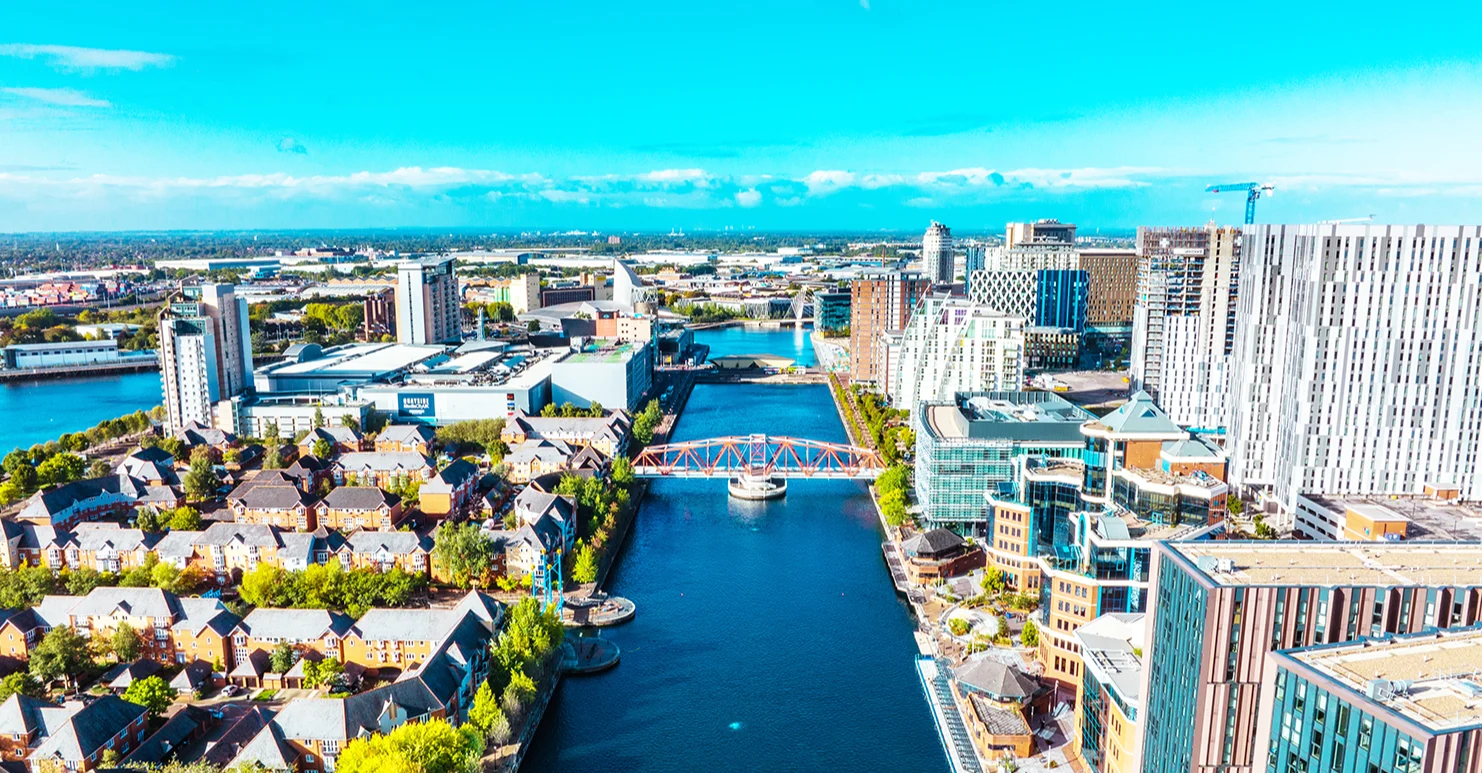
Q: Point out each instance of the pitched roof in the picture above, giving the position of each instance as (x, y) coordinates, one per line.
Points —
(278, 497)
(225, 749)
(295, 624)
(195, 433)
(176, 731)
(336, 435)
(1139, 415)
(369, 542)
(87, 729)
(124, 674)
(457, 473)
(225, 533)
(531, 504)
(359, 498)
(20, 714)
(45, 505)
(382, 461)
(407, 434)
(999, 680)
(932, 543)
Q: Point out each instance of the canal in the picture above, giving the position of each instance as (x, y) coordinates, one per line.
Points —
(38, 411)
(768, 636)
(784, 342)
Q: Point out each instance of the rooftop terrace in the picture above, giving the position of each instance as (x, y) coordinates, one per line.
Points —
(1444, 689)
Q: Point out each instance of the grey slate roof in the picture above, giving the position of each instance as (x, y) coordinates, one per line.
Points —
(177, 731)
(20, 714)
(248, 534)
(177, 545)
(933, 543)
(279, 497)
(382, 461)
(44, 505)
(87, 730)
(339, 435)
(295, 624)
(359, 498)
(996, 679)
(124, 674)
(407, 434)
(369, 542)
(457, 473)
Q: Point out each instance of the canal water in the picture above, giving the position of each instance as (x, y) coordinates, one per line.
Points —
(38, 411)
(784, 342)
(768, 636)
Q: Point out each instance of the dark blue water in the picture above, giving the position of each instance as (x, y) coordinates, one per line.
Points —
(768, 637)
(741, 340)
(38, 411)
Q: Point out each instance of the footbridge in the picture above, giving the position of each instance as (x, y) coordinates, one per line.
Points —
(758, 456)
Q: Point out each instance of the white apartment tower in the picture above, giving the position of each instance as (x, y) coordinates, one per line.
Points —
(1183, 320)
(205, 352)
(428, 310)
(937, 254)
(952, 345)
(1357, 367)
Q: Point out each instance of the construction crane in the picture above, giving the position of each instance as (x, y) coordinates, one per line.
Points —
(1253, 191)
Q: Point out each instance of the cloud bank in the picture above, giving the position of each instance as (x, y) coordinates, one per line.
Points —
(78, 59)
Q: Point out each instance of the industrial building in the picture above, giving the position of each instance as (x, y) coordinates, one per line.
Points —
(311, 369)
(614, 375)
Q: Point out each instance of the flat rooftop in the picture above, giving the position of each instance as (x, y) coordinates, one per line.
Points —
(608, 355)
(352, 359)
(1430, 519)
(1457, 564)
(1041, 416)
(1442, 670)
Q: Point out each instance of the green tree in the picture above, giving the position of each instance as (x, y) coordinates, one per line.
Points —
(149, 520)
(318, 417)
(153, 693)
(186, 519)
(323, 448)
(10, 493)
(266, 586)
(273, 459)
(270, 435)
(82, 580)
(993, 581)
(201, 481)
(62, 468)
(21, 683)
(349, 420)
(518, 692)
(282, 658)
(463, 552)
(550, 411)
(485, 709)
(415, 747)
(622, 470)
(325, 673)
(99, 468)
(62, 654)
(25, 478)
(585, 569)
(126, 643)
(1030, 634)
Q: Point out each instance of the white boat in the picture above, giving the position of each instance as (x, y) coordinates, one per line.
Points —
(757, 488)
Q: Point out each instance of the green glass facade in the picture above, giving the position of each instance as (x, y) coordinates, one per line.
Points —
(831, 311)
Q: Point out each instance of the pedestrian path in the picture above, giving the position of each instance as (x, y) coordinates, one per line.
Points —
(951, 728)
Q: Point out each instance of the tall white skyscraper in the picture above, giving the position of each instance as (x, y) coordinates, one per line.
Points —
(428, 310)
(953, 345)
(1357, 366)
(1183, 320)
(936, 254)
(205, 352)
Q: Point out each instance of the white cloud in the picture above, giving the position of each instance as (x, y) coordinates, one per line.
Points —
(75, 58)
(750, 197)
(64, 97)
(826, 181)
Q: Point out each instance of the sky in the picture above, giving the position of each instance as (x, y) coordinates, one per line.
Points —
(706, 114)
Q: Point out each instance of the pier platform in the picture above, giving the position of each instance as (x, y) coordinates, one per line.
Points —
(597, 611)
(588, 655)
(953, 731)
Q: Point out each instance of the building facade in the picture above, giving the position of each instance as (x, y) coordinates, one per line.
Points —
(428, 303)
(1183, 329)
(953, 345)
(1356, 364)
(205, 352)
(880, 302)
(937, 254)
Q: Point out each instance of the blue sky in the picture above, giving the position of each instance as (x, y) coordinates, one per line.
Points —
(804, 114)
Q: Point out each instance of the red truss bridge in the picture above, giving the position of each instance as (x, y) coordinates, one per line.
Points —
(758, 455)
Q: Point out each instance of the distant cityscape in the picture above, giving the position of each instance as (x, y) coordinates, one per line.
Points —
(1200, 499)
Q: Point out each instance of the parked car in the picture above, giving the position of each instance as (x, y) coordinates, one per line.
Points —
(230, 691)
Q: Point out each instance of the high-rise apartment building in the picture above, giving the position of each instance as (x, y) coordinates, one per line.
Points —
(974, 258)
(880, 302)
(937, 254)
(952, 345)
(1357, 364)
(1183, 328)
(205, 352)
(1039, 232)
(380, 314)
(1222, 608)
(1009, 280)
(428, 306)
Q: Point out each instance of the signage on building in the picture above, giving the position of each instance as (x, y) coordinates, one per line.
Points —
(415, 405)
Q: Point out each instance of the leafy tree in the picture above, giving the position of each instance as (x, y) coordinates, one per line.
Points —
(201, 481)
(993, 581)
(110, 758)
(149, 520)
(153, 693)
(25, 477)
(62, 468)
(585, 569)
(26, 586)
(550, 411)
(485, 709)
(622, 471)
(126, 643)
(273, 459)
(186, 519)
(21, 683)
(14, 461)
(82, 580)
(266, 586)
(270, 435)
(1030, 634)
(323, 448)
(325, 673)
(349, 420)
(518, 692)
(416, 747)
(318, 418)
(10, 493)
(1234, 504)
(475, 433)
(99, 469)
(463, 552)
(282, 658)
(164, 576)
(62, 654)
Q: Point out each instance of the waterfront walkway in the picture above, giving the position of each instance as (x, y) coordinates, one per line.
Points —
(954, 733)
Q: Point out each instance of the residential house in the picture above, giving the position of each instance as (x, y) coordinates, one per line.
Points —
(360, 507)
(227, 550)
(72, 503)
(534, 458)
(451, 491)
(74, 736)
(187, 726)
(310, 473)
(342, 439)
(196, 433)
(173, 629)
(385, 550)
(104, 547)
(406, 438)
(263, 629)
(608, 434)
(533, 506)
(387, 469)
(153, 466)
(283, 506)
(120, 676)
